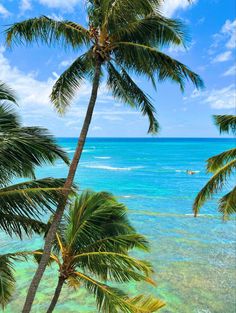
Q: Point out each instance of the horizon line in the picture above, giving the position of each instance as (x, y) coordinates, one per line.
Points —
(150, 137)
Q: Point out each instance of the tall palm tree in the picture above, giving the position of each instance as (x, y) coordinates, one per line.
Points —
(122, 37)
(92, 247)
(222, 166)
(21, 150)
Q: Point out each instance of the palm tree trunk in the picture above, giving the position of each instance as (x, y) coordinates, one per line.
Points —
(63, 201)
(56, 294)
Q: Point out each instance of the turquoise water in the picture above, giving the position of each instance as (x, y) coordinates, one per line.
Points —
(194, 259)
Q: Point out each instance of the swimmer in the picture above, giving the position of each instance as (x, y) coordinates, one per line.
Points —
(189, 172)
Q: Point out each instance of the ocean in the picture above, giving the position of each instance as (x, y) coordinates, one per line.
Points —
(194, 258)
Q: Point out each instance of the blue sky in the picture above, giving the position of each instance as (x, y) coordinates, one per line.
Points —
(31, 71)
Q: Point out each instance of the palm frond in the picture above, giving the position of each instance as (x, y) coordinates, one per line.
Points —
(24, 148)
(214, 185)
(113, 300)
(152, 30)
(216, 162)
(7, 279)
(7, 93)
(118, 243)
(124, 89)
(227, 204)
(37, 254)
(94, 213)
(147, 304)
(148, 61)
(92, 260)
(27, 201)
(8, 118)
(119, 11)
(67, 84)
(225, 123)
(13, 224)
(49, 31)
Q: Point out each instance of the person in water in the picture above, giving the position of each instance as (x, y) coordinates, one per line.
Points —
(189, 172)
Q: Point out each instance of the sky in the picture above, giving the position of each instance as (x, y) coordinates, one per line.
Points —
(32, 70)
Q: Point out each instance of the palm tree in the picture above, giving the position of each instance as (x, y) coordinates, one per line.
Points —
(21, 150)
(92, 247)
(123, 37)
(222, 166)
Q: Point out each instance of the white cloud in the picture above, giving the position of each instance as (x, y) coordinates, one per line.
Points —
(56, 17)
(229, 30)
(61, 4)
(231, 71)
(224, 98)
(29, 88)
(112, 118)
(95, 128)
(222, 57)
(4, 12)
(226, 37)
(65, 63)
(25, 5)
(171, 6)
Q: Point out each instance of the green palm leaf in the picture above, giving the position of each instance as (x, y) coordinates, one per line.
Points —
(8, 118)
(47, 30)
(132, 55)
(118, 243)
(216, 162)
(24, 148)
(114, 300)
(7, 279)
(119, 11)
(225, 123)
(67, 84)
(94, 213)
(93, 241)
(124, 89)
(214, 185)
(227, 204)
(91, 261)
(7, 93)
(19, 225)
(161, 31)
(21, 203)
(146, 304)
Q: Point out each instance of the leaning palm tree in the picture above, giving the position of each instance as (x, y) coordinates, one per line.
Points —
(222, 166)
(123, 37)
(92, 247)
(21, 150)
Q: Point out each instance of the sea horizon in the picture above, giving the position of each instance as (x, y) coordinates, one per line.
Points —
(152, 138)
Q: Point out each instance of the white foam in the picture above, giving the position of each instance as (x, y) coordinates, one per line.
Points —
(88, 150)
(102, 157)
(111, 168)
(191, 214)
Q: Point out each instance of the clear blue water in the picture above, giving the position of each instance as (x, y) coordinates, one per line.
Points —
(194, 259)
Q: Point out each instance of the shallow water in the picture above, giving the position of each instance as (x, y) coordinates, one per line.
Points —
(194, 258)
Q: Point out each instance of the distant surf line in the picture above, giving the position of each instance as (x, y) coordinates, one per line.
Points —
(111, 168)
